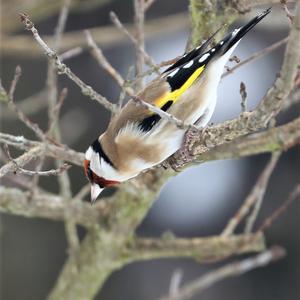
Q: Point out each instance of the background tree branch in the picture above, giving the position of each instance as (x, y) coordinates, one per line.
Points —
(110, 241)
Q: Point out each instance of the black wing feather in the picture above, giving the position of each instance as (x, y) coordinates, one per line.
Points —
(148, 123)
(180, 72)
(193, 53)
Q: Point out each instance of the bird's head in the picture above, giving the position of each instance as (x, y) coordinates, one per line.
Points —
(99, 170)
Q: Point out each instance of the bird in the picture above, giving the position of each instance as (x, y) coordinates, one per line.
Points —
(137, 139)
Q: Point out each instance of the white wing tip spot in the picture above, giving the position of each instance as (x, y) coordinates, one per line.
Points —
(203, 57)
(173, 73)
(235, 31)
(188, 65)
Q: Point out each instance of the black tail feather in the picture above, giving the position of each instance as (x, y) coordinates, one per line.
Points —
(179, 72)
(193, 53)
(232, 38)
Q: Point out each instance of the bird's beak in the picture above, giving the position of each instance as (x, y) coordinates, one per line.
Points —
(95, 192)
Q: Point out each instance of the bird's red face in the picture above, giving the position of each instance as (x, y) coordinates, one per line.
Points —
(97, 183)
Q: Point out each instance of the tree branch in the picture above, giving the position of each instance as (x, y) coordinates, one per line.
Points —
(22, 160)
(62, 151)
(17, 202)
(106, 36)
(201, 249)
(199, 285)
(268, 108)
(63, 69)
(256, 196)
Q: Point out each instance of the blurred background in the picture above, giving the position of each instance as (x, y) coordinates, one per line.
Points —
(197, 202)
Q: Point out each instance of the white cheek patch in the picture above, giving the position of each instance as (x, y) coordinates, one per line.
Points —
(95, 164)
(89, 153)
(111, 173)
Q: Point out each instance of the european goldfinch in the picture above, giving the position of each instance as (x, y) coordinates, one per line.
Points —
(137, 139)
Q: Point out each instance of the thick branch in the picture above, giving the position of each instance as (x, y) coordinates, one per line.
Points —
(280, 138)
(17, 202)
(97, 245)
(201, 249)
(268, 108)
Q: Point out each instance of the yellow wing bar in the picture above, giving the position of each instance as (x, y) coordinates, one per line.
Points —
(175, 95)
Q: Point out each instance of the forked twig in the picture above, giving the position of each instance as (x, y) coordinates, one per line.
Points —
(63, 69)
(9, 99)
(103, 62)
(257, 193)
(199, 285)
(19, 169)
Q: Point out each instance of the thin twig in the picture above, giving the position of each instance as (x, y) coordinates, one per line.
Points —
(54, 108)
(139, 19)
(9, 99)
(19, 169)
(103, 62)
(256, 195)
(52, 172)
(71, 53)
(119, 79)
(235, 59)
(199, 285)
(34, 185)
(164, 115)
(122, 96)
(148, 4)
(243, 94)
(21, 161)
(257, 55)
(63, 69)
(287, 11)
(158, 66)
(83, 191)
(61, 24)
(14, 82)
(148, 60)
(294, 195)
(175, 282)
(257, 205)
(56, 151)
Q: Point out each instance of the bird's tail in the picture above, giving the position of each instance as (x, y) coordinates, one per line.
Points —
(220, 49)
(235, 36)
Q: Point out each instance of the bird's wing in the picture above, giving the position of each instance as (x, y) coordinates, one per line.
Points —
(164, 91)
(188, 56)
